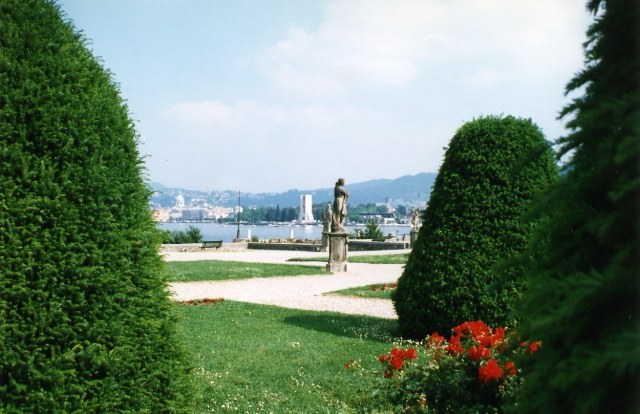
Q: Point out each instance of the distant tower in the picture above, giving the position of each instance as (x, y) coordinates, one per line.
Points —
(180, 202)
(306, 212)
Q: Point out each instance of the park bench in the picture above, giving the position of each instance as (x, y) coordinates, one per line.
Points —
(211, 243)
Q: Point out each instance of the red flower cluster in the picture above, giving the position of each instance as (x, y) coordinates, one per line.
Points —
(395, 359)
(532, 347)
(479, 331)
(490, 371)
(472, 341)
(482, 337)
(384, 286)
(483, 342)
(476, 354)
(510, 368)
(435, 339)
(205, 301)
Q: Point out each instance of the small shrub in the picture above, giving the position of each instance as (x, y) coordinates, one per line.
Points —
(473, 372)
(166, 236)
(191, 235)
(372, 232)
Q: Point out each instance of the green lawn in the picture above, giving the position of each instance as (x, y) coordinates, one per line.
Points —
(260, 359)
(377, 291)
(226, 270)
(374, 259)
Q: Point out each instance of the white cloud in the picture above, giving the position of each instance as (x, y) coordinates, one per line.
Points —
(359, 42)
(391, 44)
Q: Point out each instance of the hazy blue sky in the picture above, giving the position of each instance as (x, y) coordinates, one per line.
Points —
(266, 95)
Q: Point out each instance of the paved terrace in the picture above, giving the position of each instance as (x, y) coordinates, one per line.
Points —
(296, 292)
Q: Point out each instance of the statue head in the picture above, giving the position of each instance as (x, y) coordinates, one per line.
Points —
(340, 181)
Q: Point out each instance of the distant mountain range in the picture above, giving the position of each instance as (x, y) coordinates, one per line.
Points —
(408, 190)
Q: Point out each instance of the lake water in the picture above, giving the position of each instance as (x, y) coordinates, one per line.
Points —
(228, 232)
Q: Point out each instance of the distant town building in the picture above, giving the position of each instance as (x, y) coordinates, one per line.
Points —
(197, 210)
(306, 209)
(180, 202)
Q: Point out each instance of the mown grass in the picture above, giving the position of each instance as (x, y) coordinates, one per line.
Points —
(377, 291)
(227, 270)
(373, 259)
(261, 359)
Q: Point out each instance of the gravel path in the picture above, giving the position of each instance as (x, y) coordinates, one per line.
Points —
(297, 292)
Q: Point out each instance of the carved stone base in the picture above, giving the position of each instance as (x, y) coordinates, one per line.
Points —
(325, 241)
(413, 236)
(337, 252)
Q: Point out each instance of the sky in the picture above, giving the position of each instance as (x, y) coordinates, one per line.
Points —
(271, 95)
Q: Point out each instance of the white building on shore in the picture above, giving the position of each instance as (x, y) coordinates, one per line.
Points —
(306, 209)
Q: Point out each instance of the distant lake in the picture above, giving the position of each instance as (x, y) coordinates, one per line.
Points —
(228, 232)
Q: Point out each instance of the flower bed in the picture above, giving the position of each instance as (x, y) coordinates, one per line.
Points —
(473, 371)
(205, 301)
(384, 286)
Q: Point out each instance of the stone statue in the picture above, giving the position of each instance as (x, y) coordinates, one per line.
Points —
(341, 195)
(415, 220)
(326, 219)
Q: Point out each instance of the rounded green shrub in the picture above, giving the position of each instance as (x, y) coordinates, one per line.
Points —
(86, 324)
(492, 169)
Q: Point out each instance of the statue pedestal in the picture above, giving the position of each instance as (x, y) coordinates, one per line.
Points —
(325, 241)
(413, 236)
(337, 252)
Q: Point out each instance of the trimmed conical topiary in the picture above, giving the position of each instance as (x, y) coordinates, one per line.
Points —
(583, 300)
(85, 320)
(493, 168)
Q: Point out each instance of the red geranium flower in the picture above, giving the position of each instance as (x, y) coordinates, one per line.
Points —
(476, 354)
(510, 368)
(491, 340)
(410, 354)
(455, 347)
(489, 371)
(435, 339)
(533, 347)
(474, 329)
(396, 362)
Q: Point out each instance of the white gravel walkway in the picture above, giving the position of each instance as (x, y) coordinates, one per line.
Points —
(297, 292)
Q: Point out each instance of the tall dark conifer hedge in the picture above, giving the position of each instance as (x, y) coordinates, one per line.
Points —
(583, 300)
(85, 321)
(493, 168)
